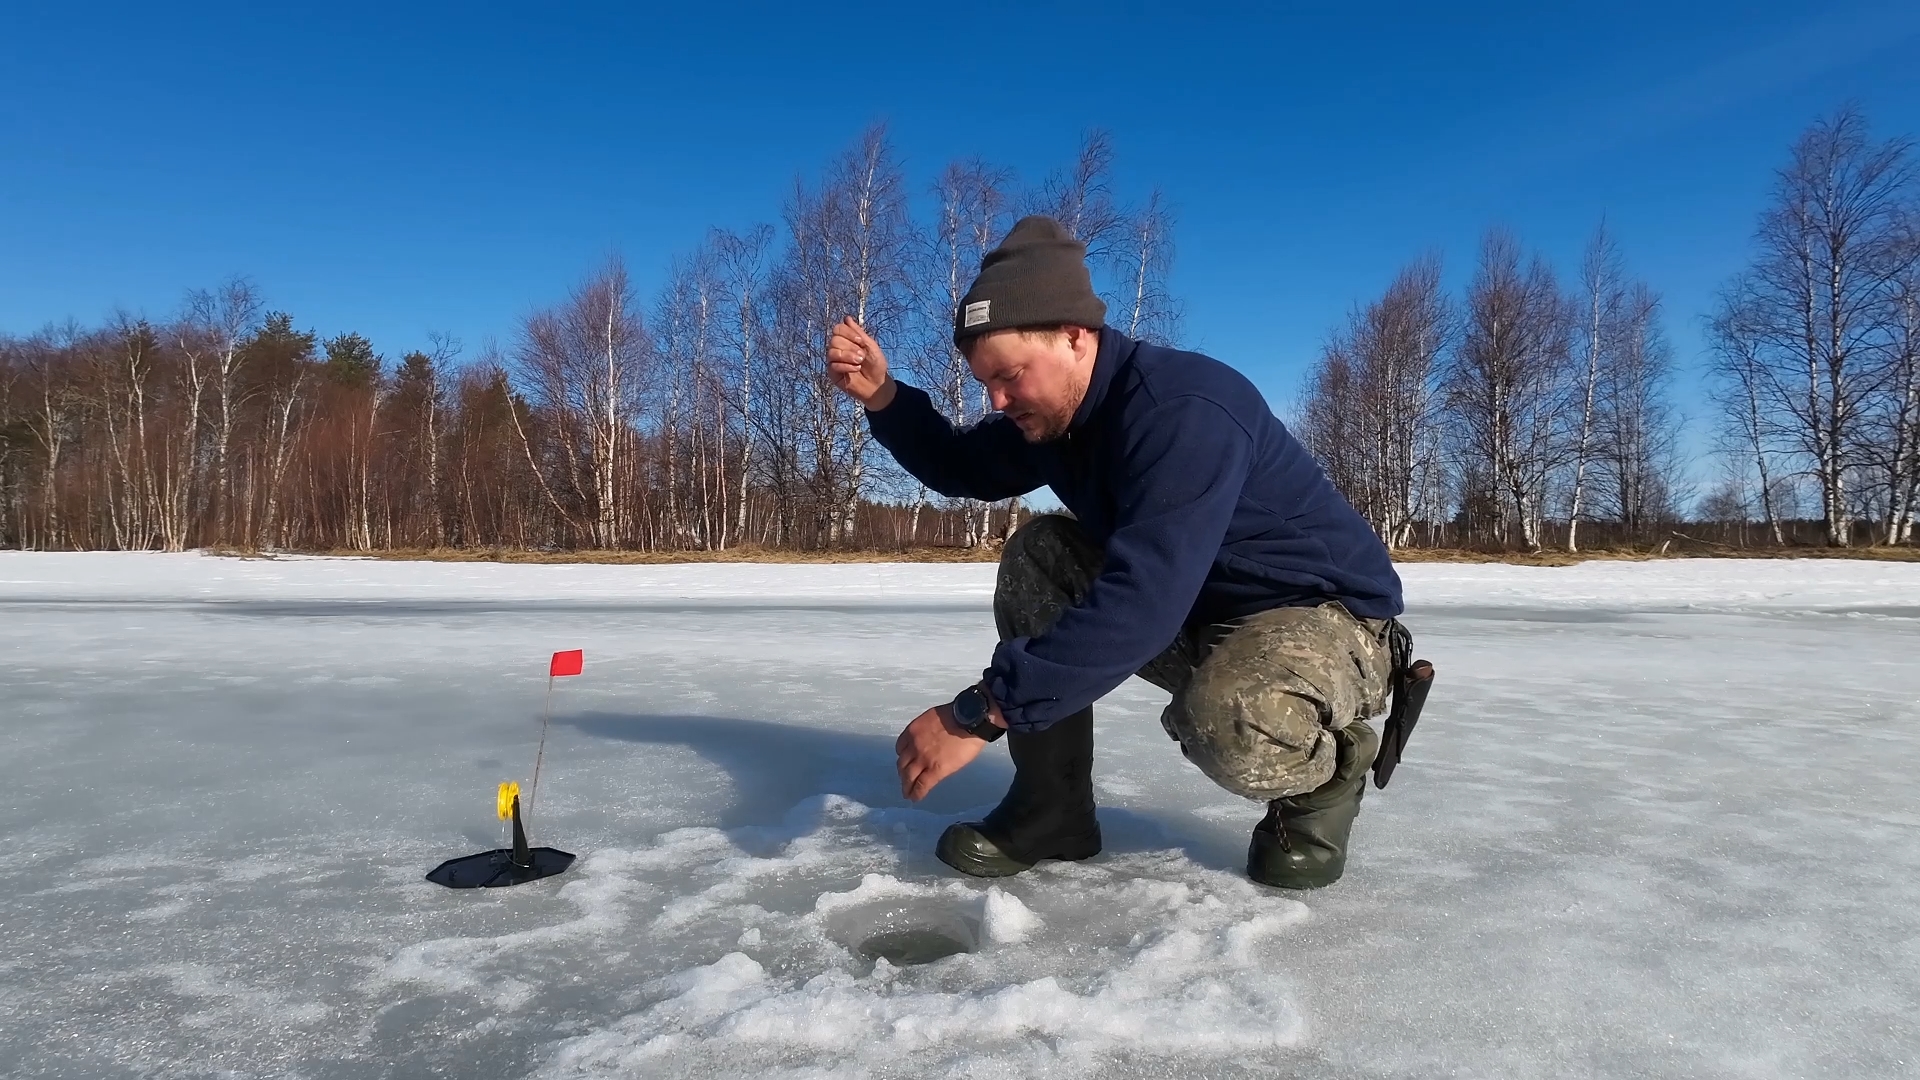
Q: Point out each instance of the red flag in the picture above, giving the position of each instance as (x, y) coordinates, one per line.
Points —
(568, 663)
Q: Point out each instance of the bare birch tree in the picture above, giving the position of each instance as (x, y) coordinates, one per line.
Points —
(741, 333)
(1152, 313)
(1818, 299)
(583, 364)
(1080, 197)
(1371, 411)
(282, 359)
(128, 357)
(1507, 383)
(972, 207)
(1602, 295)
(180, 480)
(1636, 434)
(867, 207)
(51, 419)
(222, 319)
(1898, 415)
(685, 335)
(1739, 390)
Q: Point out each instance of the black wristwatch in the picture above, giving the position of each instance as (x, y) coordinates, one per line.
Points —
(973, 711)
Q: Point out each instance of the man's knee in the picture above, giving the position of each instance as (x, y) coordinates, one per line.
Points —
(1043, 541)
(1260, 749)
(1046, 567)
(1260, 714)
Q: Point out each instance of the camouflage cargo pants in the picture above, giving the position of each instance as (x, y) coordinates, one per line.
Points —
(1255, 701)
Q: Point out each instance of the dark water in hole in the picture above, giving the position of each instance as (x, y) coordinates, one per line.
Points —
(911, 946)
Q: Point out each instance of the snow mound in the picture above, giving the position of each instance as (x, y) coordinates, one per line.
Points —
(1160, 957)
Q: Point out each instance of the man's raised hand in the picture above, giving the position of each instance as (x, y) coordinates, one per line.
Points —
(857, 366)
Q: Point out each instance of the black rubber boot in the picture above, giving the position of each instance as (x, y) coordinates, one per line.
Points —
(1302, 843)
(1046, 814)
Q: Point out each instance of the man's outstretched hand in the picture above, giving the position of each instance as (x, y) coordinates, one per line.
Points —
(931, 749)
(857, 366)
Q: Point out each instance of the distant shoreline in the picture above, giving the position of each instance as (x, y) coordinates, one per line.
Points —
(991, 554)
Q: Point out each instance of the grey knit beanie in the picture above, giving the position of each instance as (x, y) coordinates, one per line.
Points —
(1036, 277)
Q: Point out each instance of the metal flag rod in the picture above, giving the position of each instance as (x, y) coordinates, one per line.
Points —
(546, 717)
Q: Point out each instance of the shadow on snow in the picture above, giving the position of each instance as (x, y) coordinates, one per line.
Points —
(775, 767)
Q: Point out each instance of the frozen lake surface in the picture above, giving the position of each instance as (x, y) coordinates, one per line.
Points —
(1659, 820)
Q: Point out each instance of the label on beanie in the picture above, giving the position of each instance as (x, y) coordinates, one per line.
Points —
(977, 313)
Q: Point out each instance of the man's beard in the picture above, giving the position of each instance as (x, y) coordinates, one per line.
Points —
(1055, 424)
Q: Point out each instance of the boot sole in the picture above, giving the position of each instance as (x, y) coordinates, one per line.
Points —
(963, 848)
(1297, 884)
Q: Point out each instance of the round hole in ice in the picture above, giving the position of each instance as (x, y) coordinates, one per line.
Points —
(905, 932)
(913, 945)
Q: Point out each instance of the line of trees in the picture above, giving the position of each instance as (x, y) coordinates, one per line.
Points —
(1509, 417)
(702, 420)
(1537, 411)
(1816, 345)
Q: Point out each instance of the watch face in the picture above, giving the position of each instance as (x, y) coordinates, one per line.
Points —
(970, 708)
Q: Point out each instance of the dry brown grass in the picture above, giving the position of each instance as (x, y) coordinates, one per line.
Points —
(1676, 549)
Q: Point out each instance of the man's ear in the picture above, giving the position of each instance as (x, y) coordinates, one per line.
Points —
(1086, 340)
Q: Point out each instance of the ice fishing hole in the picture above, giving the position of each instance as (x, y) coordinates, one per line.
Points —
(906, 933)
(914, 945)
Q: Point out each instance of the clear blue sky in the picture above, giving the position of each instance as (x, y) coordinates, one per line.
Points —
(396, 169)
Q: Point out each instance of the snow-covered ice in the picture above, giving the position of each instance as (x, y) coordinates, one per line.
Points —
(1659, 820)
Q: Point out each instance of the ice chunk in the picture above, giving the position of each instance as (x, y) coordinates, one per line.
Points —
(1006, 919)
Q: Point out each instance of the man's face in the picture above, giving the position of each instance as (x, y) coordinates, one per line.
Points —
(1037, 379)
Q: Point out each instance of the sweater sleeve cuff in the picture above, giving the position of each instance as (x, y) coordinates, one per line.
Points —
(1024, 717)
(998, 689)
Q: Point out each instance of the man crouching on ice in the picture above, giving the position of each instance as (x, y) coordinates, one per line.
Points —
(1206, 552)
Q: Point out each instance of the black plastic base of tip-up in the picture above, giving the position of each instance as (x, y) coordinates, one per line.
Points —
(516, 865)
(492, 869)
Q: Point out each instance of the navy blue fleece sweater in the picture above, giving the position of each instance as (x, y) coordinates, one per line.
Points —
(1207, 507)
